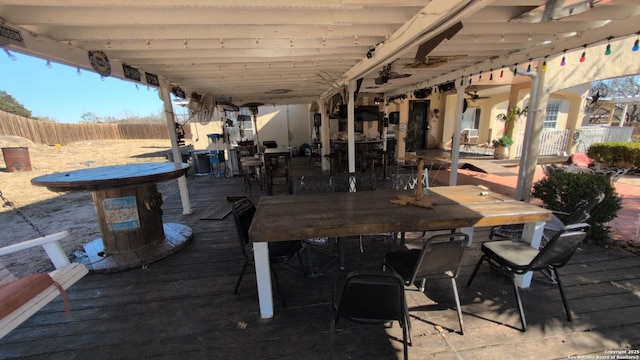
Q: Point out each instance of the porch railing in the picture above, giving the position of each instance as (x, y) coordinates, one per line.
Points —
(554, 142)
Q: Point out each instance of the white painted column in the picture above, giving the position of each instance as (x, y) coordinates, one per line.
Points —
(263, 279)
(457, 128)
(163, 91)
(351, 142)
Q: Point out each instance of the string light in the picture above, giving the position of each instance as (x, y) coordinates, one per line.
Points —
(607, 52)
(502, 72)
(469, 80)
(563, 62)
(78, 72)
(48, 65)
(636, 44)
(529, 66)
(491, 75)
(480, 77)
(583, 57)
(544, 64)
(515, 69)
(462, 81)
(10, 55)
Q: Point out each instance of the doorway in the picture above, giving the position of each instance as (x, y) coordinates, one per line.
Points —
(418, 125)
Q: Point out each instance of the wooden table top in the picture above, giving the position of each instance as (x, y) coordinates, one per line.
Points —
(108, 177)
(291, 217)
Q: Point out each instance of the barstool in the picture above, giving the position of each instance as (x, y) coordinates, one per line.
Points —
(251, 166)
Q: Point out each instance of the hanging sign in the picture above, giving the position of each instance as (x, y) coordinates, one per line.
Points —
(10, 35)
(100, 62)
(152, 79)
(121, 214)
(130, 72)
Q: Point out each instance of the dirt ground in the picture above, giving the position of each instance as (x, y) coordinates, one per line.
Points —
(52, 212)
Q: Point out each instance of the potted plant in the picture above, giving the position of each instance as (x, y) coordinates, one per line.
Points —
(501, 147)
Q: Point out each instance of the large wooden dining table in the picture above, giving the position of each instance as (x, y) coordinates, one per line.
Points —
(291, 217)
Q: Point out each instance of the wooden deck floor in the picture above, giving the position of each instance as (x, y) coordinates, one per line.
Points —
(182, 307)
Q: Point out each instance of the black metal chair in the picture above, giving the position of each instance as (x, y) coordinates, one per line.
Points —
(279, 252)
(559, 220)
(440, 254)
(322, 245)
(514, 257)
(371, 297)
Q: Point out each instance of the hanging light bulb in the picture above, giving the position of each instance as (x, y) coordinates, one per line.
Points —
(469, 80)
(491, 75)
(515, 69)
(462, 81)
(48, 65)
(148, 44)
(501, 72)
(78, 72)
(563, 62)
(10, 55)
(186, 44)
(583, 57)
(544, 65)
(480, 77)
(636, 44)
(607, 52)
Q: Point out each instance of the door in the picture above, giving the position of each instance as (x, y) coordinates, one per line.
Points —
(418, 125)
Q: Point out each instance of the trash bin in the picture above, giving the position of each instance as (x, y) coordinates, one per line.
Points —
(201, 162)
(16, 158)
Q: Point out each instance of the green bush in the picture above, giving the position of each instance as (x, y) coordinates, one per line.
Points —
(562, 191)
(618, 154)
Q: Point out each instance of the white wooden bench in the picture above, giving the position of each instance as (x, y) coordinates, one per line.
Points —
(66, 274)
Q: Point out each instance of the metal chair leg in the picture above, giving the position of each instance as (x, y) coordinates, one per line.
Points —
(458, 308)
(244, 268)
(564, 298)
(520, 308)
(475, 271)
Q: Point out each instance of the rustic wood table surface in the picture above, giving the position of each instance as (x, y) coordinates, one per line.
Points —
(129, 213)
(291, 217)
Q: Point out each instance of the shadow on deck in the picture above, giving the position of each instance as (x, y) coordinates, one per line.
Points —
(182, 307)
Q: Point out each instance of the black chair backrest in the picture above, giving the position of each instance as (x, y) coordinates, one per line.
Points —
(561, 247)
(243, 211)
(373, 295)
(441, 254)
(583, 208)
(311, 185)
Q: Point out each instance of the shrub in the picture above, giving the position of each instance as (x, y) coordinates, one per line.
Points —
(562, 191)
(618, 154)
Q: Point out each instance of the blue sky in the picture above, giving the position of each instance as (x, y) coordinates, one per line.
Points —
(60, 94)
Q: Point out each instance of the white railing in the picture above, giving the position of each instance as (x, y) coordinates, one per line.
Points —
(554, 142)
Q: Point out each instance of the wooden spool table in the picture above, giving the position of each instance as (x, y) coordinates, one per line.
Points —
(129, 212)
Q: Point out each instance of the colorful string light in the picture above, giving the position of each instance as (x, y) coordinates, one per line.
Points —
(583, 57)
(563, 62)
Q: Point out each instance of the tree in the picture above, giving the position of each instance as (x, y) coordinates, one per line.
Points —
(9, 104)
(625, 87)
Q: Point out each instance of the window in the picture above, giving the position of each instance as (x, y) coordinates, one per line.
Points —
(551, 115)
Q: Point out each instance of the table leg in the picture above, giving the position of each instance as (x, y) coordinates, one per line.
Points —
(532, 233)
(263, 278)
(469, 232)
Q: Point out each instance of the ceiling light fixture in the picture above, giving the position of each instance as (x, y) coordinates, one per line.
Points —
(148, 44)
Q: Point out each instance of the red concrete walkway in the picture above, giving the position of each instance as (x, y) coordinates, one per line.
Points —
(624, 226)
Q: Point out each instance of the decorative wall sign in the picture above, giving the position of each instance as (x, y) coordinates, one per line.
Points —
(10, 35)
(121, 214)
(178, 92)
(152, 79)
(100, 62)
(130, 72)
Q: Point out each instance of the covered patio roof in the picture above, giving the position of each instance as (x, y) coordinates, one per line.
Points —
(297, 51)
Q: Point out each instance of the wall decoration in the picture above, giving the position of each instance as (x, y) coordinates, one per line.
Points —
(130, 72)
(100, 62)
(152, 79)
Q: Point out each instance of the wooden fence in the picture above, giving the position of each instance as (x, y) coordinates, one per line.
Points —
(51, 133)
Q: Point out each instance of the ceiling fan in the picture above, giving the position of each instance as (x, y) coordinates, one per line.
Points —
(386, 74)
(473, 96)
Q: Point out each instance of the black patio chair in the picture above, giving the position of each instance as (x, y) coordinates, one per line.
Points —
(280, 252)
(371, 297)
(558, 221)
(440, 254)
(322, 245)
(514, 257)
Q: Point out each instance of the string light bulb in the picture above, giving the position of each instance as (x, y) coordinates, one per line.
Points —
(529, 66)
(48, 65)
(515, 69)
(583, 57)
(78, 72)
(491, 75)
(480, 77)
(563, 61)
(544, 65)
(636, 44)
(148, 44)
(607, 52)
(10, 55)
(501, 72)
